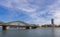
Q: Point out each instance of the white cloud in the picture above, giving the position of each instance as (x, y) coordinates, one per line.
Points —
(19, 4)
(54, 9)
(33, 10)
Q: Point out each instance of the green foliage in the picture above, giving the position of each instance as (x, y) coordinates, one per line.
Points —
(2, 22)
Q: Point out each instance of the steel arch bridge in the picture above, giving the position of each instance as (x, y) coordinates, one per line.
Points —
(17, 24)
(20, 23)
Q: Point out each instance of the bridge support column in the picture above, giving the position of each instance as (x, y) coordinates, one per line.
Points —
(30, 27)
(34, 27)
(27, 27)
(4, 27)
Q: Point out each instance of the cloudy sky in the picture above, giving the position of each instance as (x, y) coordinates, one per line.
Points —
(30, 11)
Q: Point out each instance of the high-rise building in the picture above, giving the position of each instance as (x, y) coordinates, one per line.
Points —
(52, 21)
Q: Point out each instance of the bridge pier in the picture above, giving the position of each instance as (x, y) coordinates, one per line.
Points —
(31, 27)
(34, 27)
(4, 27)
(27, 28)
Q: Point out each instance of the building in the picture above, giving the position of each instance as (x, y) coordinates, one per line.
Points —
(52, 21)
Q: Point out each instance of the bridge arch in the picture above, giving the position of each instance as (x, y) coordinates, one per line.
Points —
(22, 23)
(18, 24)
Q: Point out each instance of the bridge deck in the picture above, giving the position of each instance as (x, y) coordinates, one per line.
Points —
(18, 26)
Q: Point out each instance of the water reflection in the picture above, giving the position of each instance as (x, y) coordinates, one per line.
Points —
(53, 32)
(3, 33)
(42, 32)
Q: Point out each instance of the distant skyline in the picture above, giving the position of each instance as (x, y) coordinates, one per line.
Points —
(30, 11)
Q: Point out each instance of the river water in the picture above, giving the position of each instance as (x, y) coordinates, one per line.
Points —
(42, 32)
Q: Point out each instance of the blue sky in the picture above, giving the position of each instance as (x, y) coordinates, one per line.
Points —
(30, 11)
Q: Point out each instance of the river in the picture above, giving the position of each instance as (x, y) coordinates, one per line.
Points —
(42, 32)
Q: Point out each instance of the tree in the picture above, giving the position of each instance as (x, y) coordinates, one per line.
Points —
(2, 22)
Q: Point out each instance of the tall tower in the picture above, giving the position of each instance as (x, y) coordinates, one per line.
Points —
(52, 21)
